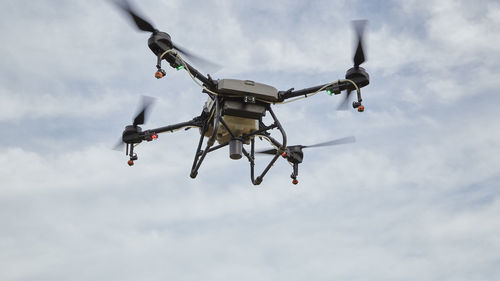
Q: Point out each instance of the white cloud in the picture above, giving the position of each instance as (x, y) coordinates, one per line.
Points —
(415, 198)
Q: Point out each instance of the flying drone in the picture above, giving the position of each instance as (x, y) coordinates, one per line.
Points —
(233, 114)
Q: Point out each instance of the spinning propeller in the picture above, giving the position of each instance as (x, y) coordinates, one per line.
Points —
(160, 41)
(132, 133)
(359, 58)
(273, 151)
(294, 154)
(359, 55)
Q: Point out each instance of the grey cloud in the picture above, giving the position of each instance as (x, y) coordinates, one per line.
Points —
(415, 198)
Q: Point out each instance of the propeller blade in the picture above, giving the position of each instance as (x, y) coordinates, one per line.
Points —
(197, 60)
(139, 21)
(140, 118)
(271, 151)
(119, 145)
(344, 105)
(145, 25)
(359, 28)
(350, 139)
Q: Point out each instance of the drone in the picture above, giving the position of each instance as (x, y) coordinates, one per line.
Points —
(233, 114)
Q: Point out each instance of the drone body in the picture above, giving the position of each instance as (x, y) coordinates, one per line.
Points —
(233, 114)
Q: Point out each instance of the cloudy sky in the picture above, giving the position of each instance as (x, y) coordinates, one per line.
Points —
(415, 198)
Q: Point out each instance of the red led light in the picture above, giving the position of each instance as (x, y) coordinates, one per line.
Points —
(154, 136)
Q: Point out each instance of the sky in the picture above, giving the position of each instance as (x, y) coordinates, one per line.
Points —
(415, 198)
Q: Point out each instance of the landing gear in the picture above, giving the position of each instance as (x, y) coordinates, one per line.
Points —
(130, 152)
(295, 173)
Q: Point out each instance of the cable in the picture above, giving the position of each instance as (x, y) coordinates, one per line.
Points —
(184, 64)
(166, 52)
(321, 89)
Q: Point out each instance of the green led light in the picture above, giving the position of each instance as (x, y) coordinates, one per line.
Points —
(180, 67)
(329, 92)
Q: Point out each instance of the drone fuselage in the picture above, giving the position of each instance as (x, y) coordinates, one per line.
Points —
(233, 116)
(243, 106)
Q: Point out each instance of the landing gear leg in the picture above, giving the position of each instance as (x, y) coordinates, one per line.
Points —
(295, 173)
(130, 152)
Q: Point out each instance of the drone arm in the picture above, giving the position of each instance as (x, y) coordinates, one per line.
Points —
(196, 74)
(356, 78)
(336, 88)
(283, 95)
(196, 122)
(177, 62)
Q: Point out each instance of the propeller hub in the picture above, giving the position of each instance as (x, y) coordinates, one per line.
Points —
(159, 42)
(295, 154)
(358, 75)
(131, 134)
